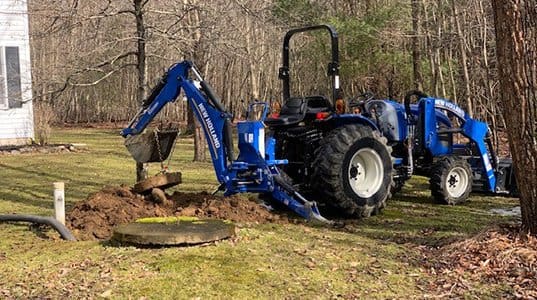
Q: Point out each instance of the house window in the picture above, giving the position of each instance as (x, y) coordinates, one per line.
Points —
(10, 78)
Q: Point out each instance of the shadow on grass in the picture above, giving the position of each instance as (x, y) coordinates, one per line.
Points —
(412, 217)
(19, 193)
(26, 198)
(30, 172)
(49, 176)
(419, 221)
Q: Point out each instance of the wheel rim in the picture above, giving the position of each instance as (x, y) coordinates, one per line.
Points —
(457, 182)
(365, 172)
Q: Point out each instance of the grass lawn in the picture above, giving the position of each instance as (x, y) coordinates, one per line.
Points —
(378, 257)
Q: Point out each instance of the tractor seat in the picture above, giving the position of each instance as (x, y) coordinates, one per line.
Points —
(317, 104)
(292, 113)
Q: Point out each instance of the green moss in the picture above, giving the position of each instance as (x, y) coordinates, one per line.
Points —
(167, 219)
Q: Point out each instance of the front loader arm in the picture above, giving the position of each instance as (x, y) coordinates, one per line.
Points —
(476, 131)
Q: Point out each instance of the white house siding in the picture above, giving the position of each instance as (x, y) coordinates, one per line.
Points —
(16, 124)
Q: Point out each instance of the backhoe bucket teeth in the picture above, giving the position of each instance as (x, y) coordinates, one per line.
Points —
(151, 145)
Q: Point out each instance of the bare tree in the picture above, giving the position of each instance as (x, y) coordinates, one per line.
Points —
(516, 40)
(416, 51)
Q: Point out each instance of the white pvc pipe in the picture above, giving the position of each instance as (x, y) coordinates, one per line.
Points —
(59, 202)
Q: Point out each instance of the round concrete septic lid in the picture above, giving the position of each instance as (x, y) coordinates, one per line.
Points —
(180, 232)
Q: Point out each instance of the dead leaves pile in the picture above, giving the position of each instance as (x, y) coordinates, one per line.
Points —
(497, 256)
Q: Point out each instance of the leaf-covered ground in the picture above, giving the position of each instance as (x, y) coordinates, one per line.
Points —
(414, 249)
(497, 255)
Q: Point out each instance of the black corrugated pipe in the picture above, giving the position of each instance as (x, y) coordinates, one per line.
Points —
(59, 227)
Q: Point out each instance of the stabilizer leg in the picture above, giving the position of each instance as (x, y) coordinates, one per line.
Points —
(287, 195)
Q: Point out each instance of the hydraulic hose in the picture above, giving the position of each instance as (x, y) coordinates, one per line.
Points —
(407, 98)
(59, 227)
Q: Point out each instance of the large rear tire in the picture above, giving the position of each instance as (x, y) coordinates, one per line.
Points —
(353, 170)
(451, 181)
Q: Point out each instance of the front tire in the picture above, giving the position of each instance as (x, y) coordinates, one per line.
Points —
(451, 181)
(353, 170)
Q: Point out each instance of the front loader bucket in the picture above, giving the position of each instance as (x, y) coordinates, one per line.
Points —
(152, 145)
(506, 181)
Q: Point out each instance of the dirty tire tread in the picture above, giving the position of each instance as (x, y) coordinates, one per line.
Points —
(397, 186)
(327, 177)
(439, 172)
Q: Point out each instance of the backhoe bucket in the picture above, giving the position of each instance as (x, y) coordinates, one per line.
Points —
(151, 146)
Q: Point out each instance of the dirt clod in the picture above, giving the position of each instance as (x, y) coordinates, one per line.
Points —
(158, 195)
(95, 217)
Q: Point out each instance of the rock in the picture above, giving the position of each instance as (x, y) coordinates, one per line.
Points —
(188, 211)
(212, 210)
(80, 146)
(158, 195)
(106, 294)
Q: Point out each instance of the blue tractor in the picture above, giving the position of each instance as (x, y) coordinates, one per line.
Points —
(348, 156)
(353, 156)
(342, 156)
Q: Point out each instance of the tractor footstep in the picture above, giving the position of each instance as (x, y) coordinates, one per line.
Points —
(177, 233)
(160, 181)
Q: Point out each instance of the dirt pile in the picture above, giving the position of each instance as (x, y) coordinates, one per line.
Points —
(497, 256)
(95, 217)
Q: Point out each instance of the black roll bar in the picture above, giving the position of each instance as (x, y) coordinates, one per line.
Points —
(333, 66)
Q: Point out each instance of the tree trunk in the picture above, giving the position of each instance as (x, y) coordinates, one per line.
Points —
(141, 34)
(199, 144)
(516, 43)
(464, 59)
(141, 69)
(416, 52)
(190, 120)
(197, 53)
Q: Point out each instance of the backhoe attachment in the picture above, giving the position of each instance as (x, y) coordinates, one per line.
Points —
(253, 171)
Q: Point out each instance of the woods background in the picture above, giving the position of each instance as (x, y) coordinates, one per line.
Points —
(94, 61)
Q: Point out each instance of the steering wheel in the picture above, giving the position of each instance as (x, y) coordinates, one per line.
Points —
(360, 100)
(408, 97)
